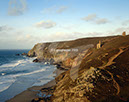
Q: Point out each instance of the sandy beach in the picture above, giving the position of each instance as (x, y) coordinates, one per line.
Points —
(31, 93)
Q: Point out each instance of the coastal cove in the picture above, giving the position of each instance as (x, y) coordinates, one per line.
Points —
(99, 61)
(64, 50)
(19, 72)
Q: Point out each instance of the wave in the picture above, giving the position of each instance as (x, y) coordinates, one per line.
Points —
(23, 69)
(3, 73)
(6, 81)
(16, 63)
(37, 71)
(5, 84)
(24, 74)
(4, 88)
(12, 64)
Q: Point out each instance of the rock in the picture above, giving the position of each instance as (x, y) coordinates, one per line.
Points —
(24, 54)
(95, 81)
(99, 45)
(51, 61)
(36, 60)
(41, 101)
(35, 100)
(17, 54)
(31, 54)
(124, 34)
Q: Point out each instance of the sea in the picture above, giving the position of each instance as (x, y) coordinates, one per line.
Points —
(17, 73)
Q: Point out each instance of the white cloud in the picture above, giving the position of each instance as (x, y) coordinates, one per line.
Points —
(90, 17)
(5, 31)
(49, 10)
(26, 38)
(125, 23)
(64, 36)
(120, 30)
(94, 19)
(17, 7)
(5, 28)
(46, 24)
(59, 36)
(102, 21)
(61, 9)
(55, 9)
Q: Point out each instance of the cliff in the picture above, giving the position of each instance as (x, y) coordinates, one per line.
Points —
(64, 53)
(93, 74)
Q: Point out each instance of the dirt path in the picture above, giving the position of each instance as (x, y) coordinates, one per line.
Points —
(110, 62)
(116, 85)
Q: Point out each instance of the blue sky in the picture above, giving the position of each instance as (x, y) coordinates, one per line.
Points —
(26, 22)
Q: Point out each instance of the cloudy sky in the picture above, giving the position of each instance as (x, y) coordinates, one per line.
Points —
(26, 22)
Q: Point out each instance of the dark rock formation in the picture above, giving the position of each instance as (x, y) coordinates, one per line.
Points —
(32, 54)
(17, 54)
(51, 61)
(102, 76)
(24, 54)
(36, 60)
(94, 75)
(65, 52)
(46, 97)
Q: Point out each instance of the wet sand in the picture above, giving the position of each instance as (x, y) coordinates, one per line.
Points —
(31, 93)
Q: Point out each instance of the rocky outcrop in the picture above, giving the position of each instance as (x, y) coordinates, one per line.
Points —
(17, 54)
(36, 60)
(103, 76)
(24, 54)
(68, 53)
(124, 34)
(93, 75)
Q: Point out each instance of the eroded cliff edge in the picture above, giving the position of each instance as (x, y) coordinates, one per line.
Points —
(93, 75)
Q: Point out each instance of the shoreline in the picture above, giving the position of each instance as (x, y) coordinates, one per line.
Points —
(98, 73)
(32, 92)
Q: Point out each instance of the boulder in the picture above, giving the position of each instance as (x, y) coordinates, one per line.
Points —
(17, 54)
(24, 54)
(36, 60)
(31, 54)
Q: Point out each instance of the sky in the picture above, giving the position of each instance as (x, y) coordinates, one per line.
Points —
(23, 23)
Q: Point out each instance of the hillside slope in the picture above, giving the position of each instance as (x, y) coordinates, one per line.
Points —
(65, 52)
(94, 75)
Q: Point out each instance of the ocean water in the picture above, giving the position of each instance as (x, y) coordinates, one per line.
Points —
(17, 73)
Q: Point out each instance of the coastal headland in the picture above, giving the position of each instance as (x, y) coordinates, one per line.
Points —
(88, 70)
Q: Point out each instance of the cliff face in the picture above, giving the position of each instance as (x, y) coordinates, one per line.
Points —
(94, 75)
(67, 53)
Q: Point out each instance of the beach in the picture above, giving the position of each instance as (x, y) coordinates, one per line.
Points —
(32, 92)
(98, 72)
